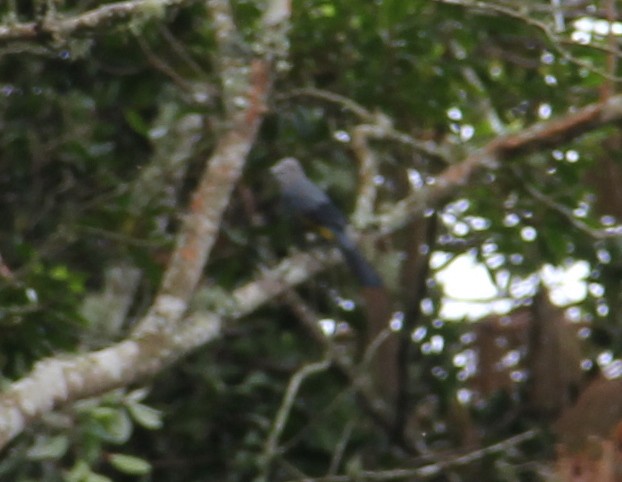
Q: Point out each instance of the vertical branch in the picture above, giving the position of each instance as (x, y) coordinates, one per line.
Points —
(368, 169)
(378, 302)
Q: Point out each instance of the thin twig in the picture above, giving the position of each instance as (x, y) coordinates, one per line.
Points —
(358, 376)
(379, 126)
(430, 470)
(484, 99)
(345, 102)
(162, 66)
(120, 237)
(340, 448)
(569, 215)
(182, 52)
(271, 445)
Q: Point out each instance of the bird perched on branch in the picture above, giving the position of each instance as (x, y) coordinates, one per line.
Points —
(305, 199)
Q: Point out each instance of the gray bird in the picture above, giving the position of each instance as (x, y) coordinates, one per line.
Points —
(304, 198)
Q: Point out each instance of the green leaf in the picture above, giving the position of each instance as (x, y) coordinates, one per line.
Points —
(115, 424)
(48, 448)
(145, 416)
(327, 10)
(81, 472)
(129, 464)
(136, 122)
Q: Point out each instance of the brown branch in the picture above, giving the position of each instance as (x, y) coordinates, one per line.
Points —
(224, 168)
(5, 271)
(59, 26)
(542, 135)
(182, 52)
(558, 15)
(483, 100)
(345, 102)
(160, 65)
(56, 381)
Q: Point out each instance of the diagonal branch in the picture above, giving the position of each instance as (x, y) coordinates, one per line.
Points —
(224, 168)
(60, 380)
(271, 448)
(542, 135)
(375, 124)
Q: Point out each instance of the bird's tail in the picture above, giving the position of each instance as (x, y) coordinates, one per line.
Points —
(363, 271)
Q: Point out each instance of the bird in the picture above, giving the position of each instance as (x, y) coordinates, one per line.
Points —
(305, 199)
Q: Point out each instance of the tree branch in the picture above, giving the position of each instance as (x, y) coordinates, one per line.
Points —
(55, 381)
(430, 470)
(542, 135)
(271, 444)
(246, 106)
(90, 20)
(378, 126)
